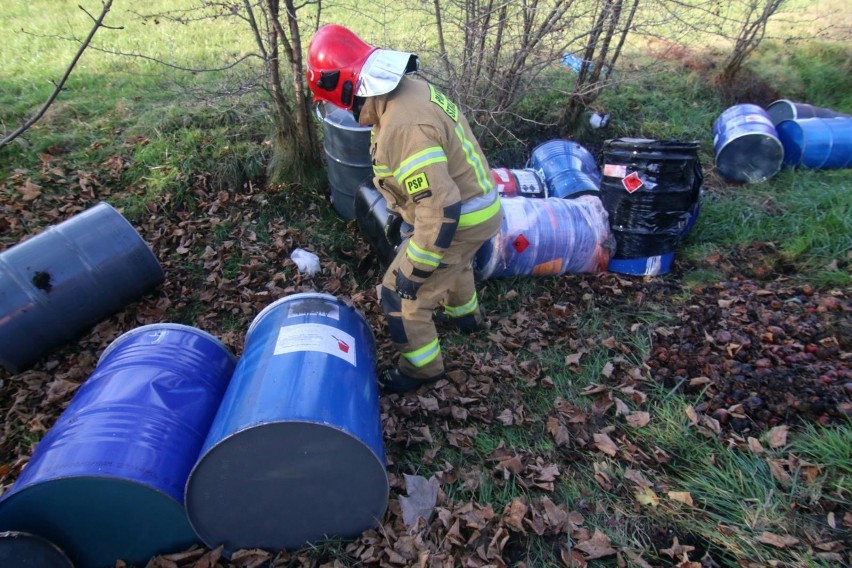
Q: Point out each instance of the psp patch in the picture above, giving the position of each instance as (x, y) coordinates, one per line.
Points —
(416, 183)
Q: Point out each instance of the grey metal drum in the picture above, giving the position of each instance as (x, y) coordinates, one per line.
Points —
(347, 152)
(57, 284)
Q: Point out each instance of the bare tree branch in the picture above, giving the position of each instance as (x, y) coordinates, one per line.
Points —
(25, 126)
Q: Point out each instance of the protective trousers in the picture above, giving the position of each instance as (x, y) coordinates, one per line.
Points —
(410, 323)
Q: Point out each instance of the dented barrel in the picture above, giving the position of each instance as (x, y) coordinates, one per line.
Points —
(107, 481)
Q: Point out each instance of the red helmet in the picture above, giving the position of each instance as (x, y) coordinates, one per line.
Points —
(341, 65)
(335, 58)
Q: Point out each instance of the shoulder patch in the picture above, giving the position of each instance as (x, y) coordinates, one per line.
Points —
(446, 104)
(416, 183)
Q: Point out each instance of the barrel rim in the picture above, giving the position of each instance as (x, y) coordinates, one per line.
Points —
(164, 500)
(781, 110)
(302, 296)
(165, 325)
(127, 223)
(382, 466)
(763, 135)
(324, 118)
(651, 144)
(29, 535)
(13, 493)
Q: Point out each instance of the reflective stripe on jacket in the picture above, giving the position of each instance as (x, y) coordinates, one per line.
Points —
(430, 169)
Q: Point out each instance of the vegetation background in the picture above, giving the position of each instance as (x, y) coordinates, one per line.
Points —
(605, 460)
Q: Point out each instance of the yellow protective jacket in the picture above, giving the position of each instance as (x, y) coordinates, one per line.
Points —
(430, 169)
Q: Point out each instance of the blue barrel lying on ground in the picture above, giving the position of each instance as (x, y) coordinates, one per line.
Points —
(24, 550)
(568, 169)
(64, 280)
(651, 190)
(295, 453)
(107, 481)
(789, 110)
(817, 143)
(746, 144)
(547, 237)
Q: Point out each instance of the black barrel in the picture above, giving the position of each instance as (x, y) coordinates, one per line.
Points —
(649, 189)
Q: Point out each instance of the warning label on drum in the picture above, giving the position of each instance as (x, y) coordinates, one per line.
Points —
(316, 337)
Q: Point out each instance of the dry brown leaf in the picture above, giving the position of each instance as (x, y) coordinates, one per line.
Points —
(29, 191)
(677, 550)
(638, 419)
(637, 477)
(574, 358)
(599, 546)
(692, 415)
(607, 370)
(754, 446)
(778, 541)
(777, 437)
(684, 497)
(514, 515)
(558, 431)
(605, 444)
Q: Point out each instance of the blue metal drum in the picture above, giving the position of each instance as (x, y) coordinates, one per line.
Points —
(295, 452)
(746, 144)
(571, 183)
(107, 481)
(817, 143)
(24, 550)
(556, 158)
(547, 237)
(56, 285)
(645, 266)
(784, 109)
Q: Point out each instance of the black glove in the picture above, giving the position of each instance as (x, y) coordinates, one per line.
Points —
(392, 225)
(405, 287)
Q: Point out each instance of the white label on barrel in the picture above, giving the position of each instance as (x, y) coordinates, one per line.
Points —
(528, 182)
(316, 337)
(614, 171)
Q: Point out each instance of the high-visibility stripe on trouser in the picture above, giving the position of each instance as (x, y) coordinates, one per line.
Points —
(412, 327)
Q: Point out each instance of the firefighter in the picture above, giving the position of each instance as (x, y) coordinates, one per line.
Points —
(432, 173)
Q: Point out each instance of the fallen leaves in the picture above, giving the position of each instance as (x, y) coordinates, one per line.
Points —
(778, 541)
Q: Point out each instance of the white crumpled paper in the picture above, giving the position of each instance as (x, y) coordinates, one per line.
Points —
(305, 261)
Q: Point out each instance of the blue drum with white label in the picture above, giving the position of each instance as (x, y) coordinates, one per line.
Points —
(295, 453)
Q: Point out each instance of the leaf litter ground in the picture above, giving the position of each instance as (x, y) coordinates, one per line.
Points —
(754, 350)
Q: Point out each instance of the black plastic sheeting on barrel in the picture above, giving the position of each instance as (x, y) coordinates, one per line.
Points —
(649, 189)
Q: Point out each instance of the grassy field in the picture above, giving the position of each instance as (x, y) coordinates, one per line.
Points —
(571, 441)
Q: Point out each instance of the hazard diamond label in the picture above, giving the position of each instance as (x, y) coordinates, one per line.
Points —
(520, 244)
(632, 182)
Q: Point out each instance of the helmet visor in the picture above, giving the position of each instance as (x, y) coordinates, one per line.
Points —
(382, 72)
